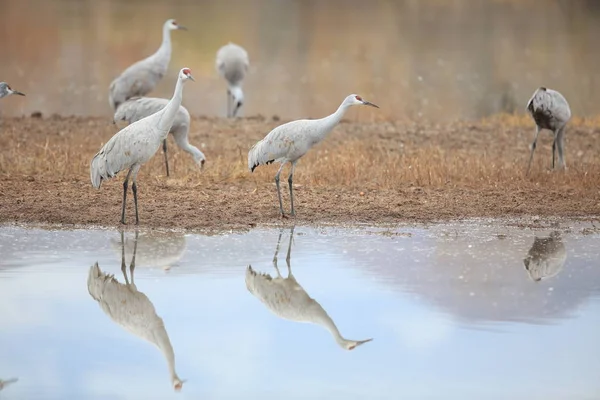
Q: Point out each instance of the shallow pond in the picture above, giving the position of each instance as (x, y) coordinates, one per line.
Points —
(462, 311)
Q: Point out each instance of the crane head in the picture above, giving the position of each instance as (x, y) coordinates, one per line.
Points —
(173, 25)
(186, 74)
(6, 90)
(356, 100)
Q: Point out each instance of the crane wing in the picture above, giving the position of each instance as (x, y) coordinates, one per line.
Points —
(272, 148)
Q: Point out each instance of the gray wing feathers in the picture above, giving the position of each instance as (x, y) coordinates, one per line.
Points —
(108, 163)
(137, 108)
(549, 104)
(137, 80)
(268, 150)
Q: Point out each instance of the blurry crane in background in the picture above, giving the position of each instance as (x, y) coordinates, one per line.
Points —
(5, 90)
(142, 77)
(132, 309)
(232, 64)
(550, 110)
(137, 108)
(135, 144)
(290, 141)
(285, 298)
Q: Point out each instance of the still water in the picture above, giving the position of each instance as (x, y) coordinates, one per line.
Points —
(464, 311)
(440, 60)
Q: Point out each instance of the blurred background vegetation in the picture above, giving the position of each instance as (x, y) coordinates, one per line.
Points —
(434, 59)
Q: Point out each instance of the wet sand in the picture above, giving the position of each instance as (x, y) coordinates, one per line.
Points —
(371, 173)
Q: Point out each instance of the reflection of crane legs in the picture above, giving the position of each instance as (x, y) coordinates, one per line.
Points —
(132, 265)
(289, 252)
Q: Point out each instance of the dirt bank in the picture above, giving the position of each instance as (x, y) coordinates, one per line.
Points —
(384, 172)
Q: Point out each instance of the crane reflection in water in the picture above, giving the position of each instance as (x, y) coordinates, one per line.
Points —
(132, 309)
(546, 257)
(285, 298)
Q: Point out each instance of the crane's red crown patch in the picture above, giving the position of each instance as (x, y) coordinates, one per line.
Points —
(358, 98)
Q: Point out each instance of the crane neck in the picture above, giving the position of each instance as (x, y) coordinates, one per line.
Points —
(331, 121)
(323, 319)
(161, 340)
(182, 141)
(165, 48)
(167, 114)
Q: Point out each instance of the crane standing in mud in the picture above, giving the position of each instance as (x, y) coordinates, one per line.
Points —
(550, 110)
(290, 141)
(135, 144)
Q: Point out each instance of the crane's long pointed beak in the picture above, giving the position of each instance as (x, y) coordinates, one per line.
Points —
(192, 78)
(368, 103)
(19, 93)
(183, 28)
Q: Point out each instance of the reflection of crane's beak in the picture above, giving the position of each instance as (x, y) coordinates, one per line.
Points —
(183, 28)
(358, 343)
(17, 92)
(367, 103)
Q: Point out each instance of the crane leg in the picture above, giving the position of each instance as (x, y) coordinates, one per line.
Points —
(166, 158)
(290, 182)
(132, 265)
(123, 266)
(537, 132)
(560, 146)
(228, 103)
(134, 188)
(279, 190)
(553, 151)
(277, 252)
(125, 186)
(134, 171)
(288, 257)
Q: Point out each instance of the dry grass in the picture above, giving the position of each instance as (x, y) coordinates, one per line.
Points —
(383, 155)
(459, 164)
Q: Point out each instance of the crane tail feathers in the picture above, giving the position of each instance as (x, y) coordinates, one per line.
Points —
(97, 280)
(100, 170)
(259, 156)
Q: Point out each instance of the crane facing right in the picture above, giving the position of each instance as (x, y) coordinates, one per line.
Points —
(550, 110)
(290, 141)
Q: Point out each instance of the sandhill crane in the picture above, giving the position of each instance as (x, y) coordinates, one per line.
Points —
(132, 310)
(290, 141)
(550, 110)
(135, 144)
(7, 382)
(285, 298)
(137, 108)
(142, 77)
(5, 90)
(155, 249)
(232, 64)
(546, 257)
